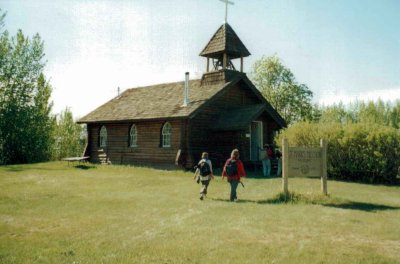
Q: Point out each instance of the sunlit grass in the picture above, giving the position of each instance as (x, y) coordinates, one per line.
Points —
(52, 213)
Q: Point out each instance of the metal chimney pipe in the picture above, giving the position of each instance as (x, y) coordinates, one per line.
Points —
(186, 92)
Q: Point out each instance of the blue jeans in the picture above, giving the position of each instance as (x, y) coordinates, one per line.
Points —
(234, 185)
(266, 167)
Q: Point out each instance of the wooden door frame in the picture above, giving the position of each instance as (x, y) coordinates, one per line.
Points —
(261, 130)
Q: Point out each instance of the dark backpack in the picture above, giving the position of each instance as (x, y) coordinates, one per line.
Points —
(231, 168)
(204, 168)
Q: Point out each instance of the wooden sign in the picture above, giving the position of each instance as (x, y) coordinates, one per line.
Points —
(304, 162)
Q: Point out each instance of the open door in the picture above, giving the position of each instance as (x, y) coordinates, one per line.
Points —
(256, 132)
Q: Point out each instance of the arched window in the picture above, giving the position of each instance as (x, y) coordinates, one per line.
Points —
(133, 136)
(166, 135)
(103, 137)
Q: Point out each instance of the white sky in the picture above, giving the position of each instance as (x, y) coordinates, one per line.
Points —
(342, 50)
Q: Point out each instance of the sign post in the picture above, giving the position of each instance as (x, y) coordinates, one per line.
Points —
(324, 174)
(285, 165)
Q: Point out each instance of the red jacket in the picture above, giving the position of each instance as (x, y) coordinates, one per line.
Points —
(240, 170)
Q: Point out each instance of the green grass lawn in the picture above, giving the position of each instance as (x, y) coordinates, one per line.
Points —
(52, 213)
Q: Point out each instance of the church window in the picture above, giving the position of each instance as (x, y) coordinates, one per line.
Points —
(133, 136)
(166, 135)
(103, 137)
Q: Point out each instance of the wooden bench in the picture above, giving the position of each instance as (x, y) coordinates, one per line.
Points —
(73, 159)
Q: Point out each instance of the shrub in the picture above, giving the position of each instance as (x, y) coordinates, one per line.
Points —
(362, 152)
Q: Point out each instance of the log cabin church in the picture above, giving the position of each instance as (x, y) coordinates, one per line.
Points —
(173, 123)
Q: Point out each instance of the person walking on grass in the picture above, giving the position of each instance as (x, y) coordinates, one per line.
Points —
(233, 170)
(204, 174)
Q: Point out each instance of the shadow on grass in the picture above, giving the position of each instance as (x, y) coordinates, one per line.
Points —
(32, 166)
(239, 201)
(15, 168)
(368, 207)
(318, 199)
(85, 166)
(280, 198)
(220, 200)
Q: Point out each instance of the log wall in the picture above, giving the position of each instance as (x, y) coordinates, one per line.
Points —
(148, 147)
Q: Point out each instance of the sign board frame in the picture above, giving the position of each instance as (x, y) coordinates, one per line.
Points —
(304, 162)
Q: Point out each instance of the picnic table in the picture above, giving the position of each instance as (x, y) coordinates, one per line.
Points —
(73, 159)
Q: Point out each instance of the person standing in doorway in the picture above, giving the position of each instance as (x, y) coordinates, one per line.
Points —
(233, 170)
(204, 173)
(267, 160)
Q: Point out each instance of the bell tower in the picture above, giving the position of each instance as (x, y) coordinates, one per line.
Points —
(224, 47)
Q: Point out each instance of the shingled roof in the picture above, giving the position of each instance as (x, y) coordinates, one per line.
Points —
(165, 101)
(226, 41)
(154, 102)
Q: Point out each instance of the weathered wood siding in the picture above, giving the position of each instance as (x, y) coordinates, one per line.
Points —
(148, 149)
(190, 136)
(220, 143)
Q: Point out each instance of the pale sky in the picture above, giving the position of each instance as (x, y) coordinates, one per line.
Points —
(342, 50)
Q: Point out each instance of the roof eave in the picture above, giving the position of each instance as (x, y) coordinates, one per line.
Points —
(132, 120)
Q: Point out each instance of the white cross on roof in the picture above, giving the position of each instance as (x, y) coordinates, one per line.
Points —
(226, 8)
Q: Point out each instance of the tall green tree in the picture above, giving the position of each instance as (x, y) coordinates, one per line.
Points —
(69, 137)
(375, 112)
(379, 112)
(279, 86)
(395, 115)
(338, 113)
(25, 121)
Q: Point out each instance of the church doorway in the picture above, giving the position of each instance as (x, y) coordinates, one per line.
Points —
(256, 132)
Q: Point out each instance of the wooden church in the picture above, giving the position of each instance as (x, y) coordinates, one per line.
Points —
(173, 123)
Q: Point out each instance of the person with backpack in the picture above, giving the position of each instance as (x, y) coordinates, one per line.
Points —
(233, 170)
(204, 174)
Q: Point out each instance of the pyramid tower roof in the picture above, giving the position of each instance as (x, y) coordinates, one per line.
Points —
(225, 40)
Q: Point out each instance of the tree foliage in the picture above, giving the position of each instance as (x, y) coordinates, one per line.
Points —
(379, 112)
(363, 140)
(26, 123)
(279, 86)
(69, 137)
